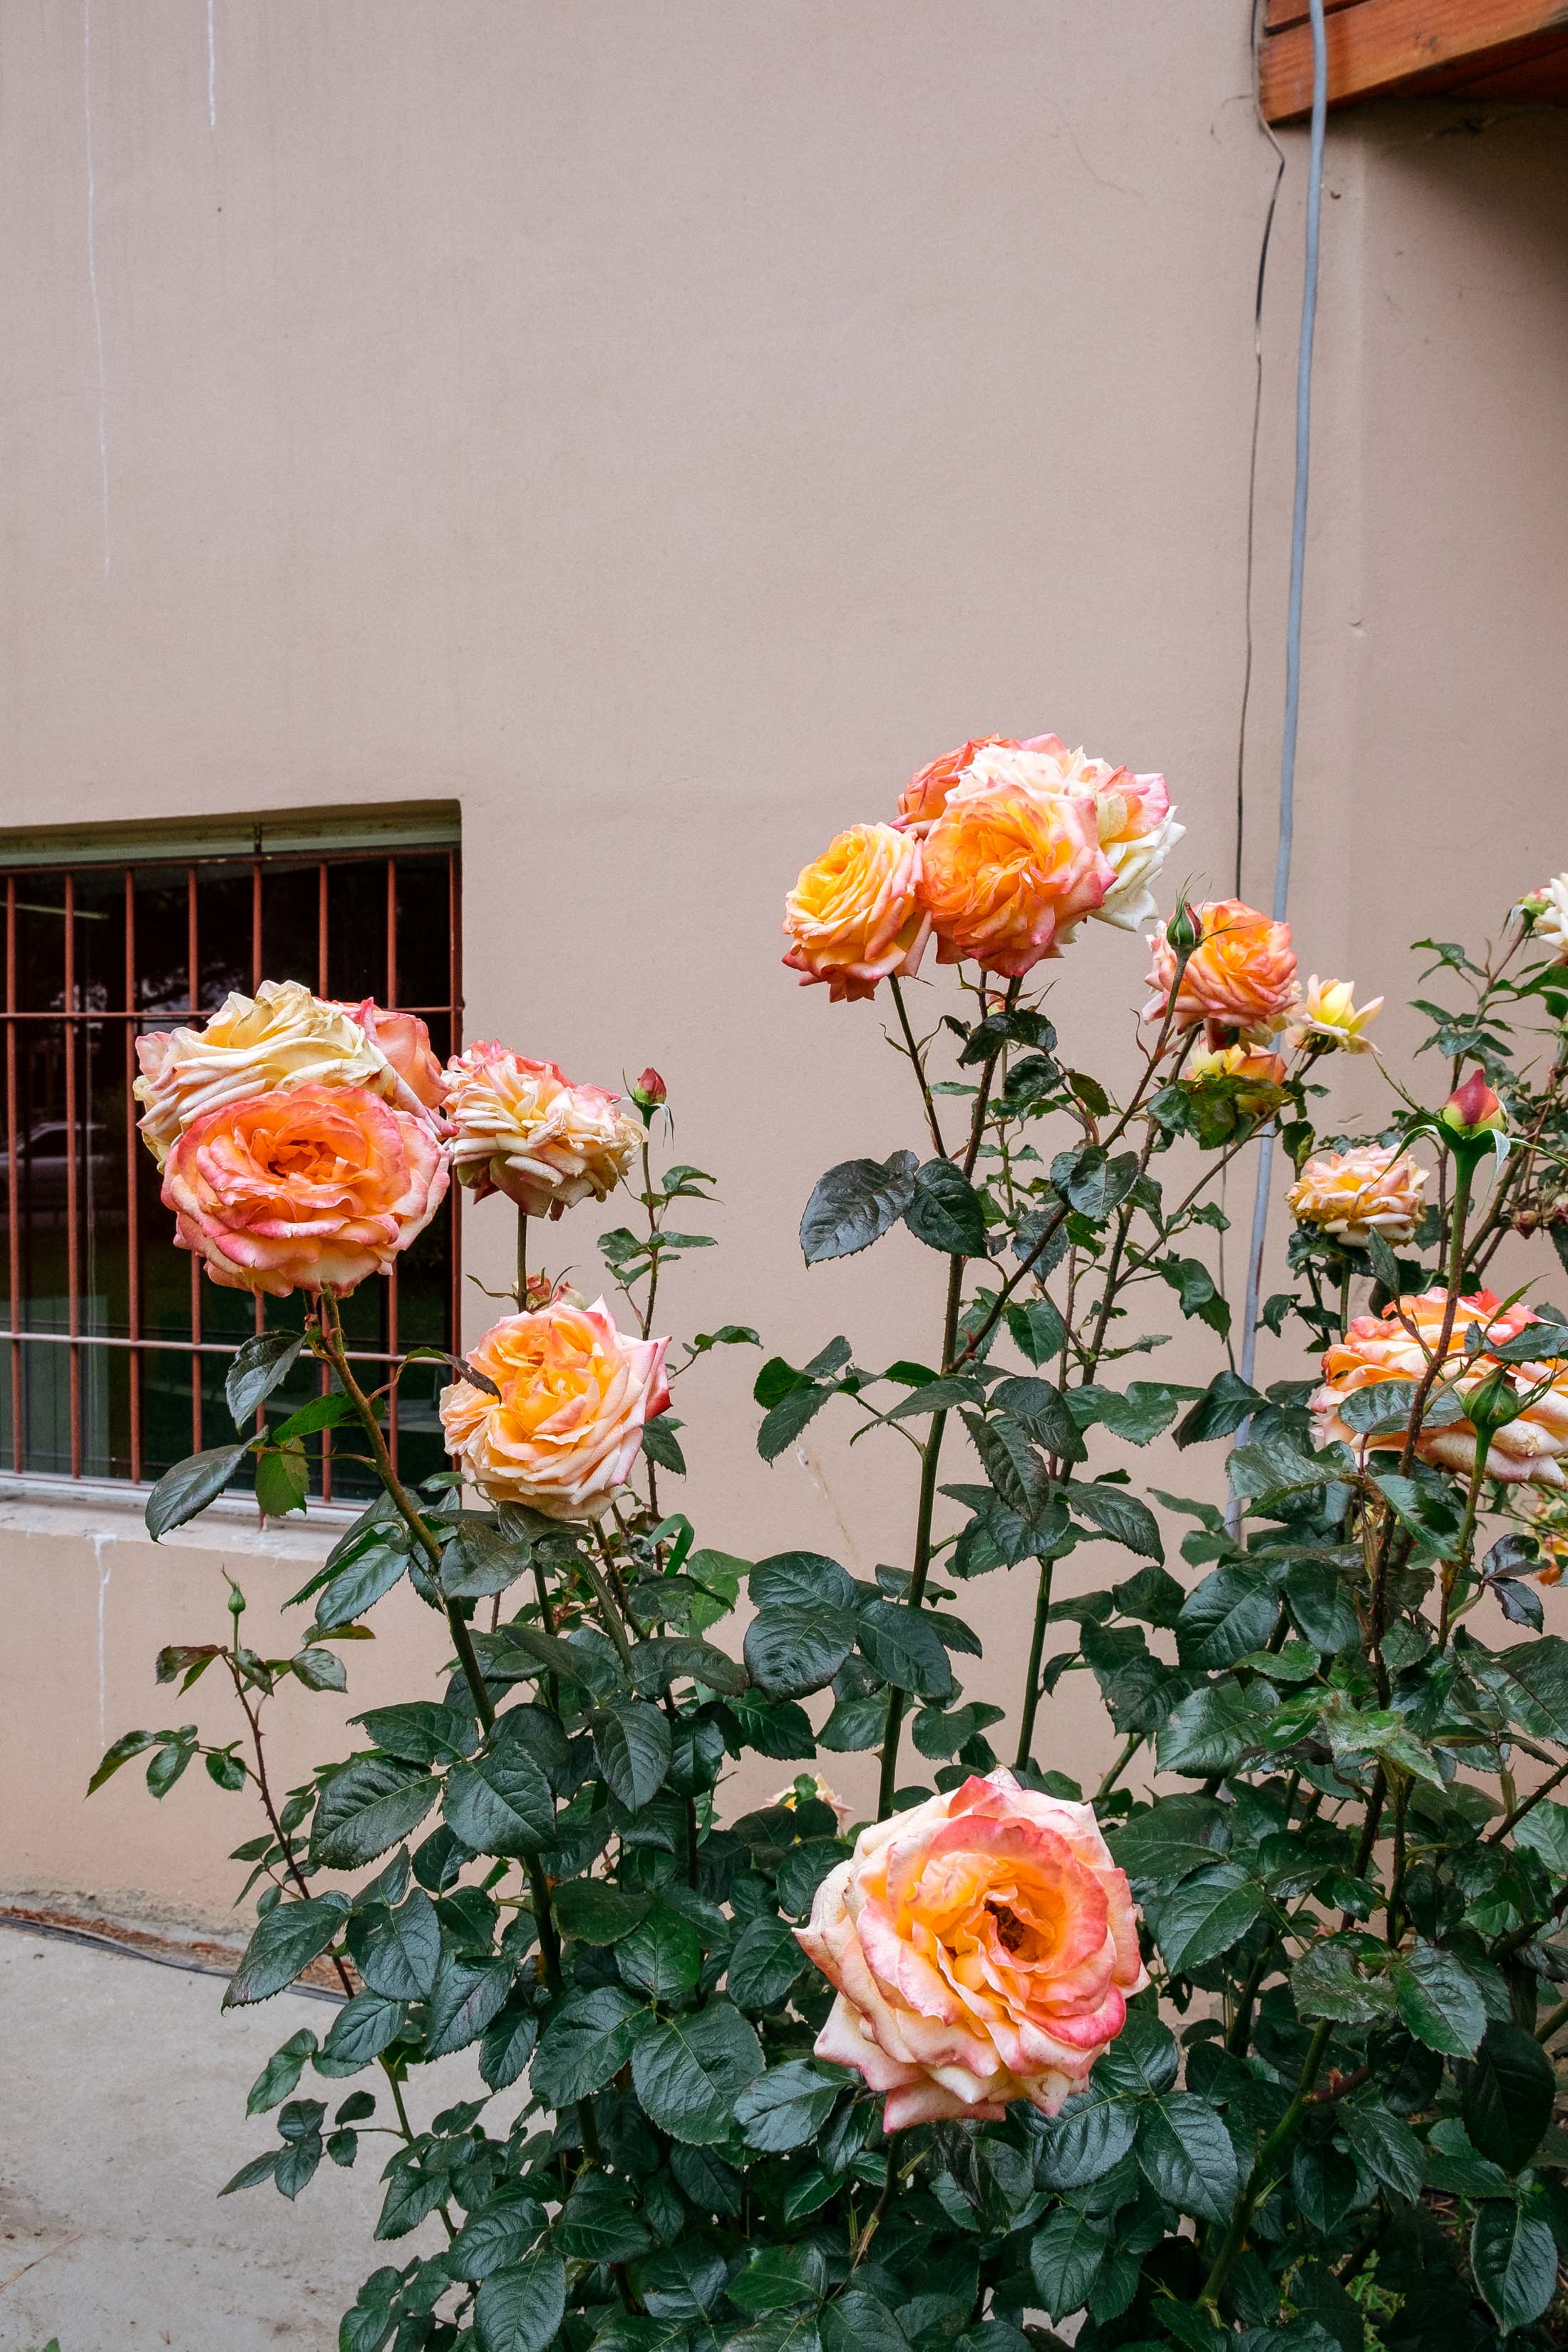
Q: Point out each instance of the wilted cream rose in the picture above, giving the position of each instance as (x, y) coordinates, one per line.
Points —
(984, 1947)
(1329, 1015)
(303, 1188)
(1374, 1188)
(564, 1434)
(854, 917)
(282, 1036)
(522, 1129)
(1400, 1345)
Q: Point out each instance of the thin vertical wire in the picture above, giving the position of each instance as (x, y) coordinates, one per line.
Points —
(194, 983)
(255, 984)
(322, 969)
(12, 1186)
(132, 1222)
(73, 1191)
(454, 1011)
(394, 1388)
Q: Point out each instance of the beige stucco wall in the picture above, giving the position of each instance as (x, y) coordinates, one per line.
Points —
(660, 428)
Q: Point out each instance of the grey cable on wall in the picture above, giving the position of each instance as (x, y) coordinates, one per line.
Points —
(1293, 630)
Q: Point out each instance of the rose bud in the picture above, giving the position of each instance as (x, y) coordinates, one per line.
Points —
(1184, 930)
(1473, 1109)
(648, 1091)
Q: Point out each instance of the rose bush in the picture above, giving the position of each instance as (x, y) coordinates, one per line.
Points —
(1238, 2025)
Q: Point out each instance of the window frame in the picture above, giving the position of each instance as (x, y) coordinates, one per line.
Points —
(392, 834)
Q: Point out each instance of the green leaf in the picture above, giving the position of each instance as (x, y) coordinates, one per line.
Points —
(1438, 2000)
(249, 2176)
(1387, 2147)
(285, 1941)
(1088, 2139)
(421, 1731)
(129, 1744)
(357, 1587)
(362, 2029)
(1064, 2255)
(520, 2309)
(660, 1444)
(1231, 1612)
(1093, 1183)
(1514, 2257)
(1163, 1843)
(319, 1669)
(1224, 1405)
(855, 1204)
(506, 2046)
(1541, 1669)
(465, 1996)
(498, 2234)
(596, 1911)
(675, 1657)
(367, 1807)
(632, 1747)
(190, 1487)
(322, 1412)
(766, 1961)
(479, 1559)
(500, 1804)
(689, 2070)
(589, 2038)
(779, 2279)
(854, 2321)
(787, 2106)
(597, 2224)
(1211, 1730)
(1205, 1915)
(790, 1651)
(1120, 1516)
(662, 1957)
(280, 2073)
(905, 1649)
(1038, 1330)
(396, 1952)
(282, 1478)
(946, 1211)
(260, 1365)
(1136, 1414)
(1185, 2154)
(1321, 1607)
(1326, 1982)
(1506, 2094)
(783, 1424)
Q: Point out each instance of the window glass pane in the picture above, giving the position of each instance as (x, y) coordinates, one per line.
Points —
(423, 932)
(41, 942)
(356, 929)
(223, 932)
(290, 923)
(104, 1169)
(163, 939)
(101, 939)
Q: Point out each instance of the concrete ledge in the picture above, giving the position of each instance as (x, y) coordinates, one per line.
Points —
(110, 1512)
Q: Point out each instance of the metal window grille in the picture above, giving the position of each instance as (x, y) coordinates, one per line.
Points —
(116, 1342)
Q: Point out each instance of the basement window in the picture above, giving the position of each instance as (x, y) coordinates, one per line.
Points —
(112, 1346)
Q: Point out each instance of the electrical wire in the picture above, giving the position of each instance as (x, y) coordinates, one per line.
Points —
(1292, 629)
(1268, 130)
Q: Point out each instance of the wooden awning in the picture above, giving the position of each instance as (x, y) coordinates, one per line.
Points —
(1493, 49)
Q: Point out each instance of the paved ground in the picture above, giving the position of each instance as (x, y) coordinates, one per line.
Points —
(121, 2114)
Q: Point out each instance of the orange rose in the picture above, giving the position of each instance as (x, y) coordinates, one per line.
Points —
(1375, 1189)
(855, 916)
(566, 1432)
(305, 1188)
(282, 1036)
(1398, 1347)
(520, 1127)
(984, 1947)
(1262, 1075)
(1008, 872)
(924, 797)
(1241, 975)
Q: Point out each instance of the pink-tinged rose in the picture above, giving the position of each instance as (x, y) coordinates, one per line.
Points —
(283, 1037)
(1240, 975)
(1137, 826)
(522, 1129)
(1400, 1345)
(404, 1041)
(984, 1948)
(304, 1188)
(855, 917)
(1009, 872)
(924, 797)
(564, 1434)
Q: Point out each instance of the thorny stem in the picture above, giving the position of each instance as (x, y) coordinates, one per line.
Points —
(918, 1061)
(1130, 1747)
(1037, 1648)
(1262, 2176)
(331, 1331)
(522, 1261)
(1526, 1805)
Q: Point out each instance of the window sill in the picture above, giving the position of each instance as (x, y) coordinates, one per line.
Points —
(110, 1512)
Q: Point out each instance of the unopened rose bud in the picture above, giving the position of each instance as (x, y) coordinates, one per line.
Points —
(1473, 1109)
(1533, 904)
(538, 1292)
(1184, 930)
(648, 1092)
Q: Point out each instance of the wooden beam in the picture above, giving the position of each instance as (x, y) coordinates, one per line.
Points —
(1376, 46)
